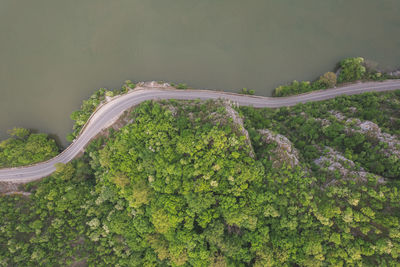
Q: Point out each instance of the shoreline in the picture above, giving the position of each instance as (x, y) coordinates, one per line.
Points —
(109, 111)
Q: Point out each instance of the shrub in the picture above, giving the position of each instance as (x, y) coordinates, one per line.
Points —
(245, 91)
(296, 88)
(351, 69)
(328, 79)
(128, 85)
(181, 86)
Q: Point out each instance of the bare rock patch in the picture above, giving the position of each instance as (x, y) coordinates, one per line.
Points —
(284, 153)
(335, 163)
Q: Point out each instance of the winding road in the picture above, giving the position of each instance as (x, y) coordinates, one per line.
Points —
(108, 112)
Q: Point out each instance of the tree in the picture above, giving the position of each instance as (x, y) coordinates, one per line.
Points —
(351, 69)
(180, 188)
(328, 79)
(25, 148)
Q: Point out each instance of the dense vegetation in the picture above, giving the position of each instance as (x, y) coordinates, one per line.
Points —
(350, 70)
(302, 124)
(183, 186)
(25, 147)
(89, 106)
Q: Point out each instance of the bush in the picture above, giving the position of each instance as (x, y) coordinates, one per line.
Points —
(297, 88)
(245, 91)
(328, 79)
(351, 69)
(181, 86)
(128, 84)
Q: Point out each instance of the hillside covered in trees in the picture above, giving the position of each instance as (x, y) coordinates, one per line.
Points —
(193, 183)
(24, 147)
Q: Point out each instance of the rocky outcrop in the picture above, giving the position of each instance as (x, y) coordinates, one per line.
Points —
(284, 152)
(395, 73)
(372, 131)
(153, 84)
(8, 188)
(324, 122)
(335, 163)
(238, 121)
(338, 115)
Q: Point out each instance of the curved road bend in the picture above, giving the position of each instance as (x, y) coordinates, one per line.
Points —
(106, 114)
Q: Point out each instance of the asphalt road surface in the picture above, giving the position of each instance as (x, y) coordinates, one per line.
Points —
(110, 111)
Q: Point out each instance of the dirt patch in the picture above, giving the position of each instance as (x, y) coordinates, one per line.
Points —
(6, 187)
(18, 193)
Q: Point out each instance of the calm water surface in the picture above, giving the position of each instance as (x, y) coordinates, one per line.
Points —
(54, 54)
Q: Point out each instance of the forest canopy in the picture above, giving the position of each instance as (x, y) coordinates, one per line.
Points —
(25, 147)
(193, 183)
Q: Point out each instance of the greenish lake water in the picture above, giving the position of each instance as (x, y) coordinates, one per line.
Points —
(54, 54)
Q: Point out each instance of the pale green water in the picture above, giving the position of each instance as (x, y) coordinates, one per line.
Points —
(54, 54)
